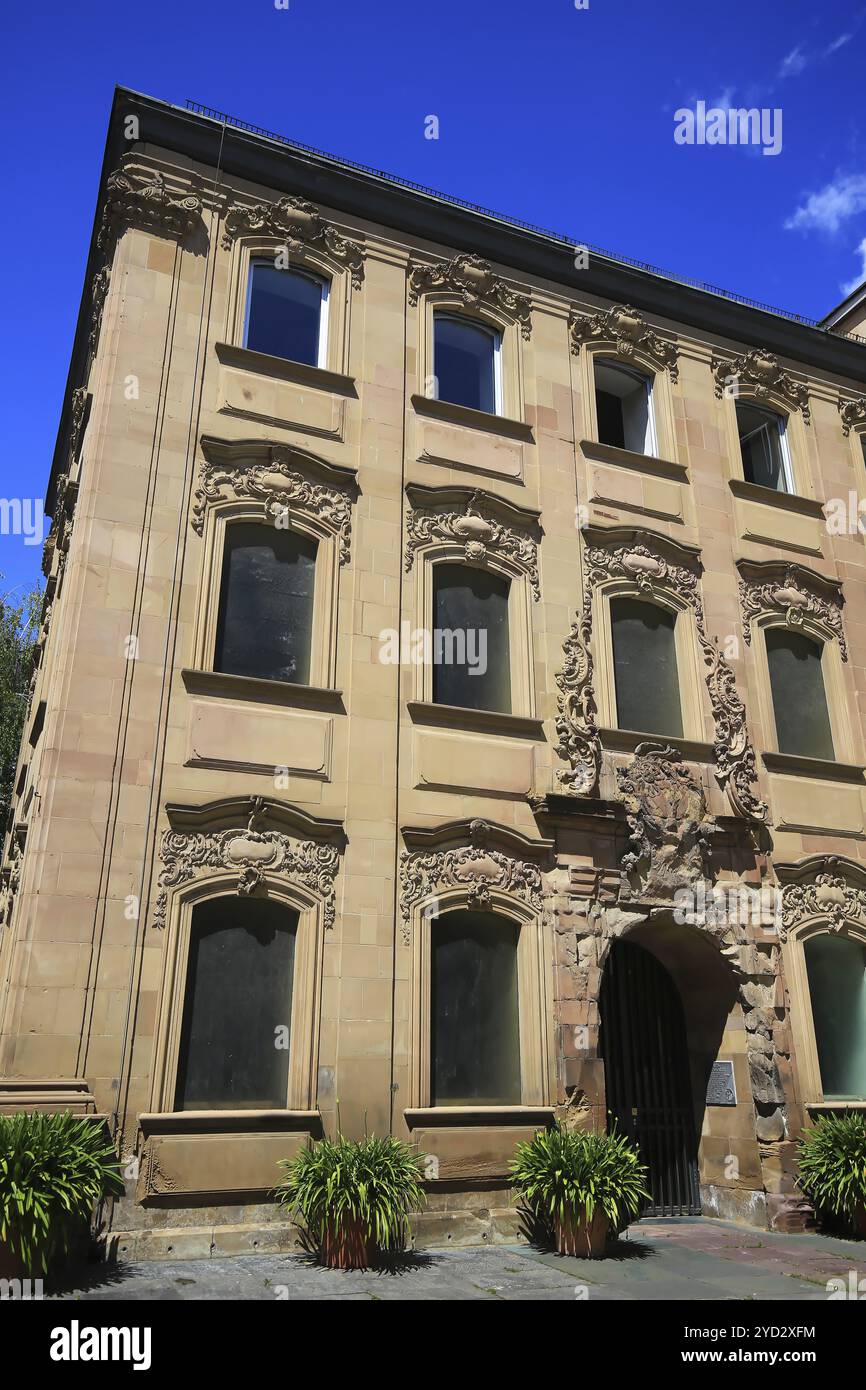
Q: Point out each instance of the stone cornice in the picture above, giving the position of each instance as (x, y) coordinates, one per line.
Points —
(773, 586)
(477, 284)
(295, 223)
(628, 333)
(762, 373)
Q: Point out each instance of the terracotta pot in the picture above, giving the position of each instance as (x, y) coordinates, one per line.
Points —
(576, 1236)
(349, 1247)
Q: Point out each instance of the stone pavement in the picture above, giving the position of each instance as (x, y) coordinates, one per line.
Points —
(683, 1258)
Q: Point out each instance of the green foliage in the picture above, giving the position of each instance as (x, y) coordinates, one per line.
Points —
(374, 1181)
(833, 1163)
(564, 1173)
(18, 627)
(53, 1170)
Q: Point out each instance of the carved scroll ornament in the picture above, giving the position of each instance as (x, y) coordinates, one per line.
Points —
(628, 332)
(475, 281)
(296, 224)
(478, 530)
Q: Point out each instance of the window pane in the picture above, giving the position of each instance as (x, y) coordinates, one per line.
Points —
(761, 447)
(284, 313)
(836, 967)
(238, 993)
(799, 698)
(622, 400)
(645, 668)
(266, 603)
(475, 1038)
(471, 662)
(463, 362)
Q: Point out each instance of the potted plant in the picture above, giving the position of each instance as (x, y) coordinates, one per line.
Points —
(583, 1182)
(832, 1174)
(354, 1196)
(53, 1170)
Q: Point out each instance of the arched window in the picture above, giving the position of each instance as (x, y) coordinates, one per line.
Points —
(265, 619)
(645, 667)
(836, 969)
(799, 695)
(474, 1021)
(763, 447)
(466, 363)
(287, 314)
(471, 656)
(623, 403)
(237, 1006)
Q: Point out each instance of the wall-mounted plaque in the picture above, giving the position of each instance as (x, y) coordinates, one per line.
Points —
(720, 1087)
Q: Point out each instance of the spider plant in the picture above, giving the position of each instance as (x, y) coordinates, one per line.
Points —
(832, 1159)
(365, 1187)
(53, 1170)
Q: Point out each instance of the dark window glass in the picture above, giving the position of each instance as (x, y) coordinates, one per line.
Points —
(645, 668)
(475, 1037)
(238, 995)
(799, 698)
(836, 967)
(622, 403)
(760, 434)
(463, 363)
(284, 316)
(471, 663)
(266, 603)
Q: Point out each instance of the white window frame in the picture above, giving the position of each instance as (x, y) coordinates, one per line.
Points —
(322, 348)
(494, 333)
(637, 375)
(785, 452)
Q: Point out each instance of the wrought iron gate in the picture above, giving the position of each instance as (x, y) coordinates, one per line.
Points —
(643, 1043)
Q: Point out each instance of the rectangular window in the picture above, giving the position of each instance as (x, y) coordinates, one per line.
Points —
(287, 314)
(466, 363)
(645, 668)
(471, 658)
(237, 1006)
(266, 603)
(799, 695)
(475, 1037)
(763, 447)
(836, 968)
(623, 402)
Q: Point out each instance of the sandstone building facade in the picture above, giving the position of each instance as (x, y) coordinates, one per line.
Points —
(448, 704)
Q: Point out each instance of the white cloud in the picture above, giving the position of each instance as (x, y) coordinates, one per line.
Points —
(837, 43)
(832, 205)
(855, 284)
(794, 63)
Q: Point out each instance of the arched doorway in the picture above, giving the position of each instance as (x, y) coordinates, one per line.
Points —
(646, 1068)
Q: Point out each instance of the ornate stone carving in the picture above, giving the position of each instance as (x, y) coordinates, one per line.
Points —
(143, 200)
(98, 293)
(735, 762)
(627, 331)
(476, 867)
(794, 591)
(475, 281)
(296, 224)
(823, 886)
(251, 854)
(478, 530)
(853, 413)
(762, 372)
(670, 830)
(78, 420)
(579, 743)
(280, 487)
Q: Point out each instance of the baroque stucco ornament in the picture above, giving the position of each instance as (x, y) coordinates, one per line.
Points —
(670, 830)
(824, 887)
(250, 853)
(476, 867)
(576, 729)
(735, 763)
(479, 532)
(765, 377)
(296, 223)
(853, 413)
(628, 332)
(281, 488)
(144, 200)
(475, 281)
(791, 590)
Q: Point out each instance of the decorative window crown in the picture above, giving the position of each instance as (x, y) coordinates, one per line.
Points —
(771, 587)
(474, 524)
(764, 376)
(627, 331)
(475, 281)
(296, 224)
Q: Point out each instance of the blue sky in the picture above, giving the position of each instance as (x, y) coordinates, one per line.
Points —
(561, 116)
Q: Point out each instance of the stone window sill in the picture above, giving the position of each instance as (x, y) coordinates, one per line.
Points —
(786, 501)
(627, 458)
(454, 1115)
(831, 1105)
(300, 372)
(485, 721)
(793, 765)
(228, 1121)
(627, 740)
(474, 419)
(261, 691)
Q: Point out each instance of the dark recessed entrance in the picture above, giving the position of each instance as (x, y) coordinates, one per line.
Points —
(643, 1044)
